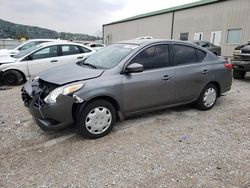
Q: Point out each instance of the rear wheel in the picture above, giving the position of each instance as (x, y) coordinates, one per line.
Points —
(208, 97)
(239, 74)
(97, 119)
(12, 77)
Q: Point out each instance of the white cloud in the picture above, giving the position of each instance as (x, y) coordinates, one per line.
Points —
(79, 16)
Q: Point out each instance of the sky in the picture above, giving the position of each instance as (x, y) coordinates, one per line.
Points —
(78, 16)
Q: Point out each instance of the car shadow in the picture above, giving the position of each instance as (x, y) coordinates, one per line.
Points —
(129, 122)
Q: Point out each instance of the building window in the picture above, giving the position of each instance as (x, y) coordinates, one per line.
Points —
(233, 36)
(183, 36)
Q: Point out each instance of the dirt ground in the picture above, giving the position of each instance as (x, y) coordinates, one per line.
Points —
(177, 147)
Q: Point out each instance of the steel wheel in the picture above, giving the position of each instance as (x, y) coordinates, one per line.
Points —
(209, 97)
(98, 120)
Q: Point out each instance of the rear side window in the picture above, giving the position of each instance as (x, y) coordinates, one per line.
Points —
(187, 55)
(153, 57)
(200, 55)
(84, 50)
(47, 52)
(70, 50)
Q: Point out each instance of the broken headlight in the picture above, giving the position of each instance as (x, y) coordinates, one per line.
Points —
(64, 90)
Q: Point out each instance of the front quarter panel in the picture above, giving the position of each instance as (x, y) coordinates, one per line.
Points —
(20, 66)
(107, 85)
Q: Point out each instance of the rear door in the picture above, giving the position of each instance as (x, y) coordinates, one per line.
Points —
(191, 72)
(154, 86)
(72, 53)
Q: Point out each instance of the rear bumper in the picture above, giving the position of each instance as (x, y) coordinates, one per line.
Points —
(50, 117)
(241, 65)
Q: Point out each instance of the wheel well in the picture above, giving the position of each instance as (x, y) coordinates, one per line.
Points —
(217, 86)
(78, 106)
(23, 75)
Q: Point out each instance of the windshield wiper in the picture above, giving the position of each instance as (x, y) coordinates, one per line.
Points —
(89, 65)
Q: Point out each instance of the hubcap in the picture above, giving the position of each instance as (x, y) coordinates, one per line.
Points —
(209, 97)
(98, 120)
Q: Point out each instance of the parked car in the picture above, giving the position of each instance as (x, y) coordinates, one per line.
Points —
(125, 79)
(208, 45)
(144, 37)
(28, 63)
(96, 46)
(23, 46)
(241, 61)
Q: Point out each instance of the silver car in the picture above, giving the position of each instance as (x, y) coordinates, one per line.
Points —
(125, 79)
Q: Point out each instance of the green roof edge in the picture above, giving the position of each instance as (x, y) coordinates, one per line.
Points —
(168, 10)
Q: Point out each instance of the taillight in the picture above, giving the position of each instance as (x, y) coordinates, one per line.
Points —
(228, 65)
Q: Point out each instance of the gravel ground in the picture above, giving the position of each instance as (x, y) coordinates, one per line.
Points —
(177, 147)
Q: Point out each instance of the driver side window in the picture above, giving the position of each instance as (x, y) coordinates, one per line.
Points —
(153, 57)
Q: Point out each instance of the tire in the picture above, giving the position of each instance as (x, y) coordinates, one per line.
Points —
(208, 103)
(239, 74)
(12, 77)
(102, 121)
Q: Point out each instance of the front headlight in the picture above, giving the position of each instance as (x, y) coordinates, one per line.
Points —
(64, 90)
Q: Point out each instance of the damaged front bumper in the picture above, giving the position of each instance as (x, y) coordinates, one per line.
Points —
(48, 116)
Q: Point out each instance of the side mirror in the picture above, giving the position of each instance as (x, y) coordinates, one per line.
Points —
(134, 67)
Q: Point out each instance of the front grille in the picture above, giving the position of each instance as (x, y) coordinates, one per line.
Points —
(25, 97)
(40, 89)
(46, 88)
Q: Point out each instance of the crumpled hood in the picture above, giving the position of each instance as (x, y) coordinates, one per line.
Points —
(69, 73)
(7, 59)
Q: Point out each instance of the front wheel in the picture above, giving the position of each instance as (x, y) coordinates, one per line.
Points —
(208, 97)
(12, 77)
(97, 119)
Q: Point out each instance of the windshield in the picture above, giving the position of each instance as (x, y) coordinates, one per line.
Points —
(25, 52)
(110, 56)
(15, 46)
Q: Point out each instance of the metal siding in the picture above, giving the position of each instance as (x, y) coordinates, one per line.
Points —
(156, 26)
(221, 16)
(230, 14)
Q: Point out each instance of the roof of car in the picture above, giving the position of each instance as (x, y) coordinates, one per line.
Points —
(198, 41)
(61, 43)
(42, 40)
(148, 41)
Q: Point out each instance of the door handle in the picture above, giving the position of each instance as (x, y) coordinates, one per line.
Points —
(166, 77)
(53, 61)
(204, 71)
(79, 57)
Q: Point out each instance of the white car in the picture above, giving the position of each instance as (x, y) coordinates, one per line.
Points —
(28, 63)
(96, 46)
(23, 46)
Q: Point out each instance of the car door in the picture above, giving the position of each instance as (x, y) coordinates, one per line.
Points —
(191, 72)
(72, 53)
(154, 86)
(42, 59)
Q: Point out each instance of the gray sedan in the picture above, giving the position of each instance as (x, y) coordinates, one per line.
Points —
(125, 79)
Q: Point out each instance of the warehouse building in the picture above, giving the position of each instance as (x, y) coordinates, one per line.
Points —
(222, 22)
